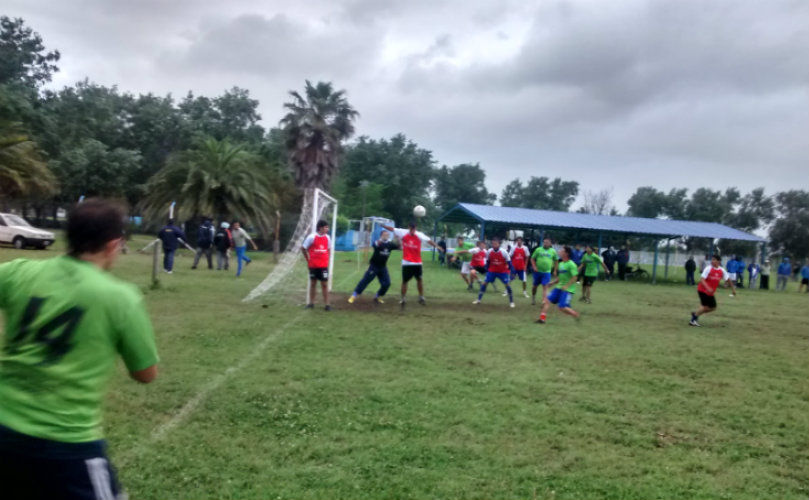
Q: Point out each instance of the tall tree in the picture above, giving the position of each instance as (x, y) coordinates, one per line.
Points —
(598, 203)
(22, 170)
(789, 234)
(541, 193)
(465, 183)
(92, 169)
(712, 206)
(23, 58)
(316, 124)
(218, 179)
(400, 165)
(646, 201)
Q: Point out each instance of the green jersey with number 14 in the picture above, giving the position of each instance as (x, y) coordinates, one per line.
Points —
(66, 322)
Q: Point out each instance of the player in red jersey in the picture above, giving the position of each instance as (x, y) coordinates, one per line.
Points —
(499, 267)
(411, 257)
(519, 260)
(712, 276)
(316, 248)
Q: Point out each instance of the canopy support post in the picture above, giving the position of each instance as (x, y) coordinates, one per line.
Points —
(666, 271)
(599, 243)
(654, 265)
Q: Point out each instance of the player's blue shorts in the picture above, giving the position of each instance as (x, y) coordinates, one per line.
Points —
(542, 279)
(490, 277)
(520, 275)
(560, 297)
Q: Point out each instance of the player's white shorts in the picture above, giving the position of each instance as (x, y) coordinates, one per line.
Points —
(466, 268)
(732, 276)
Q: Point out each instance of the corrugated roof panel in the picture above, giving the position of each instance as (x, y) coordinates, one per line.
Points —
(527, 217)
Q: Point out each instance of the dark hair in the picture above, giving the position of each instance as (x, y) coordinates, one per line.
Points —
(519, 238)
(413, 224)
(322, 223)
(717, 257)
(496, 238)
(171, 222)
(547, 238)
(591, 247)
(567, 250)
(92, 224)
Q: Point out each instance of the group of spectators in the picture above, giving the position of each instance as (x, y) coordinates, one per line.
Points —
(736, 268)
(209, 239)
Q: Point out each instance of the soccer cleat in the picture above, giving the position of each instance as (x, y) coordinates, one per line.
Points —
(588, 301)
(476, 302)
(352, 299)
(693, 322)
(540, 321)
(309, 306)
(402, 303)
(505, 294)
(512, 305)
(378, 300)
(327, 308)
(422, 301)
(525, 294)
(582, 299)
(470, 287)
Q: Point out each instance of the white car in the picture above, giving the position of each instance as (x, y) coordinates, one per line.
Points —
(14, 230)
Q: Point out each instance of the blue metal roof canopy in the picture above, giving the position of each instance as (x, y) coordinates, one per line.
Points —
(526, 217)
(470, 213)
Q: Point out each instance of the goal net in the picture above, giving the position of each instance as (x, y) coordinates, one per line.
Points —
(290, 277)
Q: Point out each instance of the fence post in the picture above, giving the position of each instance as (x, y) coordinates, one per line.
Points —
(155, 264)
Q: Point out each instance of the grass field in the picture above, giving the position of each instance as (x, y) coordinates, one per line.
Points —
(456, 401)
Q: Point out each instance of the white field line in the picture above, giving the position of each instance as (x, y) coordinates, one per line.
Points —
(192, 404)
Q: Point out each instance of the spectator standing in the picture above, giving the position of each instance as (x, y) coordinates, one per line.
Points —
(764, 284)
(731, 269)
(170, 235)
(784, 270)
(752, 274)
(240, 239)
(609, 261)
(739, 271)
(623, 259)
(804, 277)
(690, 269)
(442, 244)
(205, 235)
(222, 242)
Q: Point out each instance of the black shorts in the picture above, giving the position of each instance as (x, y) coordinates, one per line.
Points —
(480, 269)
(707, 300)
(34, 468)
(589, 280)
(805, 281)
(410, 272)
(319, 274)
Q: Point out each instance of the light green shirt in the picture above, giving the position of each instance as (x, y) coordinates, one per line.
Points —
(566, 270)
(591, 263)
(545, 258)
(465, 257)
(66, 323)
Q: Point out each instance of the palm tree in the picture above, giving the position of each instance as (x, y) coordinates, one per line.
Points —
(315, 128)
(22, 170)
(216, 178)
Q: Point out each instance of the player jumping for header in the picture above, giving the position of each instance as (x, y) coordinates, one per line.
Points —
(544, 261)
(411, 258)
(562, 294)
(499, 268)
(315, 249)
(712, 276)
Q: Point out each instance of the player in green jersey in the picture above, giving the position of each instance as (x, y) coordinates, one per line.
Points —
(67, 321)
(562, 294)
(589, 263)
(544, 261)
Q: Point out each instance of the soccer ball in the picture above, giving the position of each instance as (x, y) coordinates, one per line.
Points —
(419, 211)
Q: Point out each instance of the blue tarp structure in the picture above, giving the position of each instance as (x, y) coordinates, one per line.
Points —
(519, 218)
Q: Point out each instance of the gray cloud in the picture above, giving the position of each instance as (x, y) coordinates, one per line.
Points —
(620, 93)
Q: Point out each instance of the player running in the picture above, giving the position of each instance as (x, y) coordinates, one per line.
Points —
(544, 261)
(462, 253)
(712, 276)
(411, 258)
(562, 294)
(316, 248)
(589, 264)
(377, 268)
(499, 268)
(519, 260)
(67, 321)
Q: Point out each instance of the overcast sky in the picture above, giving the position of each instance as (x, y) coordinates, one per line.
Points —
(611, 93)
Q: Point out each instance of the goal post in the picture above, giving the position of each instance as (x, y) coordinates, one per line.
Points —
(317, 207)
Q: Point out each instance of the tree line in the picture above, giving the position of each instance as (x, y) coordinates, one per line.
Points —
(213, 156)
